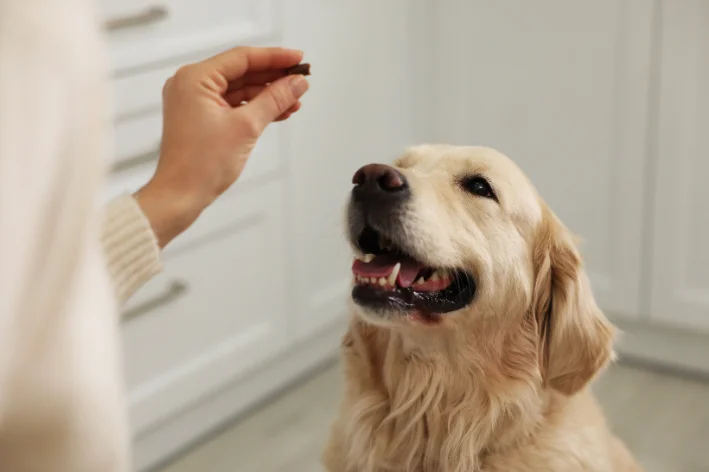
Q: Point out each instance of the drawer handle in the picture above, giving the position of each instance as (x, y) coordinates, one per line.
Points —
(174, 291)
(136, 160)
(151, 15)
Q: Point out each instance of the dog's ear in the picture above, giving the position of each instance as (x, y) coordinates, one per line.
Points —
(576, 339)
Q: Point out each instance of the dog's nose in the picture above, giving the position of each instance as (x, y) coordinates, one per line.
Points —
(379, 179)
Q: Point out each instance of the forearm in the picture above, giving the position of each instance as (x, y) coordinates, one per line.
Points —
(130, 246)
(135, 229)
(208, 135)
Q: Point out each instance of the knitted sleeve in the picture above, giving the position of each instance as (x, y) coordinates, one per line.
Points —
(130, 246)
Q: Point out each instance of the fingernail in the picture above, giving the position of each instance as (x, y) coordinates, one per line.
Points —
(298, 85)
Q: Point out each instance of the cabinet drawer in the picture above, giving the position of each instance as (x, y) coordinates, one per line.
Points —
(217, 311)
(141, 91)
(140, 32)
(137, 142)
(137, 138)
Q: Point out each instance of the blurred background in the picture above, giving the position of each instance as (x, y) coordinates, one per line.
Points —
(232, 351)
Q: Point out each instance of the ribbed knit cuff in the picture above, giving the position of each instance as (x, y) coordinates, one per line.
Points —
(131, 249)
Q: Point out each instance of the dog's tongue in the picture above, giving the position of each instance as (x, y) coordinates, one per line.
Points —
(382, 266)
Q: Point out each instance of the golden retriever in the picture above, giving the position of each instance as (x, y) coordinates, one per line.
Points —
(474, 333)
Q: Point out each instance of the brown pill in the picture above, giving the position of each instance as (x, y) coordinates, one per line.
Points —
(300, 69)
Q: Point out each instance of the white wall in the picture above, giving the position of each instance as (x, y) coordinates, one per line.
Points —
(601, 104)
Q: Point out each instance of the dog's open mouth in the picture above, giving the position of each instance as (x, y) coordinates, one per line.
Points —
(388, 278)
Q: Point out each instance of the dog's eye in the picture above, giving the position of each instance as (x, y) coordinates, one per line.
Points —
(478, 186)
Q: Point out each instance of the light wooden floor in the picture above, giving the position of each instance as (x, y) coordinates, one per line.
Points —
(663, 419)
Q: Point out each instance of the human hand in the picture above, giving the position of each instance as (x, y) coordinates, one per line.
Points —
(214, 112)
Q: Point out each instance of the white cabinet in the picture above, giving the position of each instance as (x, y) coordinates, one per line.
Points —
(562, 88)
(358, 110)
(215, 313)
(680, 194)
(143, 33)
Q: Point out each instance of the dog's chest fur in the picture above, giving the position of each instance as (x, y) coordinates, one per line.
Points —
(408, 413)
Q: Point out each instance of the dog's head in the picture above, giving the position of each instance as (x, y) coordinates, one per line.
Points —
(450, 237)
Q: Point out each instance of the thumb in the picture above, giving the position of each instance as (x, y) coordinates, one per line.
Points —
(276, 99)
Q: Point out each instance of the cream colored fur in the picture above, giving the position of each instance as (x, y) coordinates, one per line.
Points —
(500, 386)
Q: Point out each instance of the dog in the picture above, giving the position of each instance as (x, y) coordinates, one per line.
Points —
(474, 333)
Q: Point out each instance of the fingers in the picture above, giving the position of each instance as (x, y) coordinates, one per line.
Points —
(288, 114)
(238, 97)
(256, 78)
(236, 62)
(275, 100)
(245, 94)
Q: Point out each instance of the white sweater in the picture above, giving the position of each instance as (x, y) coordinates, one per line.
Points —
(62, 405)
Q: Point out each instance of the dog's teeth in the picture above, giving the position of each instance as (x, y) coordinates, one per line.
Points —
(394, 273)
(420, 281)
(434, 277)
(382, 281)
(368, 258)
(373, 280)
